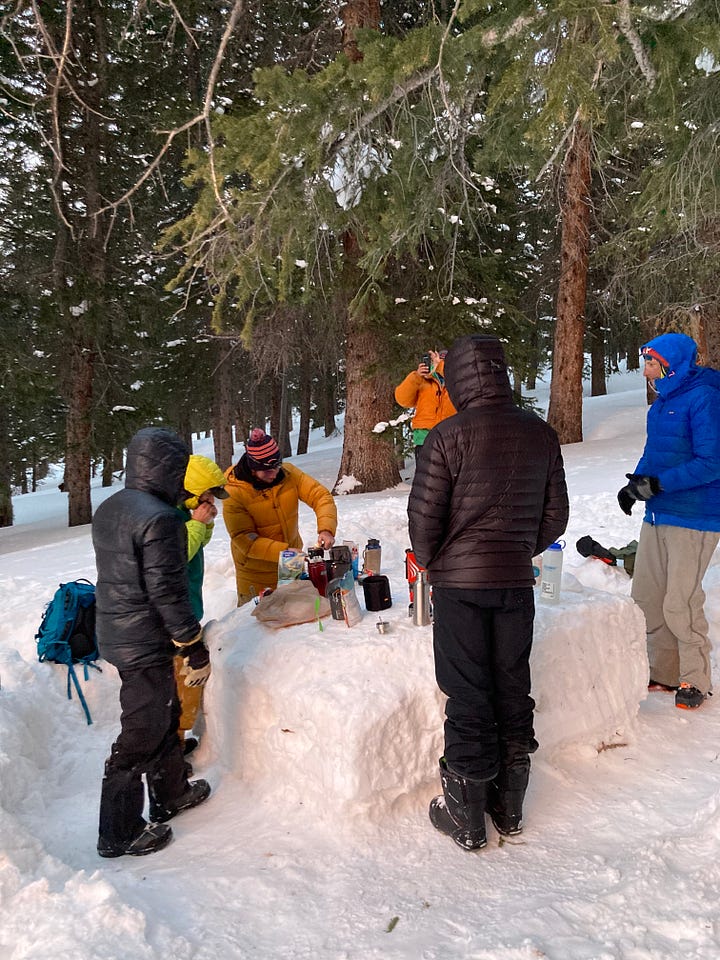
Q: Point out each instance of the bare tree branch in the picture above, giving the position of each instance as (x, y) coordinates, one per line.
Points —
(636, 45)
(235, 14)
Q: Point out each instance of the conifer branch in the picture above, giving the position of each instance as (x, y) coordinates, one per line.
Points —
(636, 45)
(399, 93)
(570, 130)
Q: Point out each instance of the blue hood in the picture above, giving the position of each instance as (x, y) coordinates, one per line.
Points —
(680, 353)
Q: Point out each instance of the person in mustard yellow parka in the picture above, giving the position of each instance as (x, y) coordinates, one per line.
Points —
(261, 513)
(424, 389)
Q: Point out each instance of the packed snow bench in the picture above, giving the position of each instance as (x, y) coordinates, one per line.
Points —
(351, 721)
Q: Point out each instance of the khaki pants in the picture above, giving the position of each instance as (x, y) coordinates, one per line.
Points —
(667, 586)
(190, 699)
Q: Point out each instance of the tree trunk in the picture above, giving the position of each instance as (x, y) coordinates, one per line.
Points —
(711, 325)
(368, 463)
(565, 409)
(283, 434)
(598, 385)
(222, 412)
(77, 436)
(107, 468)
(358, 15)
(328, 405)
(275, 401)
(304, 411)
(6, 507)
(79, 263)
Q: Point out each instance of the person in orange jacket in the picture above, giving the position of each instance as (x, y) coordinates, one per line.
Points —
(424, 389)
(261, 513)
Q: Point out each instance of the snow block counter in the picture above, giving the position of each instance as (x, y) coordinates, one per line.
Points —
(350, 721)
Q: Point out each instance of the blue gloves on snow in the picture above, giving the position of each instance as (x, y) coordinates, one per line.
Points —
(639, 488)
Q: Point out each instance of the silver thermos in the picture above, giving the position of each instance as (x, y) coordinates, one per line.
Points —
(421, 614)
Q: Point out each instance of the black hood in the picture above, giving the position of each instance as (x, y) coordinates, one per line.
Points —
(156, 463)
(476, 372)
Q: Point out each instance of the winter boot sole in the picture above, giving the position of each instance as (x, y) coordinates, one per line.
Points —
(688, 698)
(504, 829)
(154, 837)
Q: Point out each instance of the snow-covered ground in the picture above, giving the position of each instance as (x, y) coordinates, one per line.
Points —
(321, 748)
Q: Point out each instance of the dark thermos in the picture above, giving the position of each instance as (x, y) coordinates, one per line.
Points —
(317, 571)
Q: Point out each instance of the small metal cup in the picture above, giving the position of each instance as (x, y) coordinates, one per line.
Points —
(382, 626)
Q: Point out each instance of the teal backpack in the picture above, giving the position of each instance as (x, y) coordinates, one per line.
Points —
(67, 633)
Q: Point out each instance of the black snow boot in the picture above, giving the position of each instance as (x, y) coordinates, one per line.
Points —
(506, 794)
(154, 837)
(196, 793)
(460, 812)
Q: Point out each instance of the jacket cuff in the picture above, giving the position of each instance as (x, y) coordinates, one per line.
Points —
(188, 643)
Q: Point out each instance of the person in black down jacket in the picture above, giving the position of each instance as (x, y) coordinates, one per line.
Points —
(143, 616)
(488, 494)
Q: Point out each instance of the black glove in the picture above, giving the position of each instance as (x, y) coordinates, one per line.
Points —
(196, 664)
(639, 488)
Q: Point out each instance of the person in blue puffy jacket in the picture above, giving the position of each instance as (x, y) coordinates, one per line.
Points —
(678, 477)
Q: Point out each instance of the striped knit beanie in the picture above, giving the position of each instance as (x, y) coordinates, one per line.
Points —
(262, 451)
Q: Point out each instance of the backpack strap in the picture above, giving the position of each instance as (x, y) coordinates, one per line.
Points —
(73, 676)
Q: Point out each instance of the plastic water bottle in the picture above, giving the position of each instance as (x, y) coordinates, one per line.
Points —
(551, 573)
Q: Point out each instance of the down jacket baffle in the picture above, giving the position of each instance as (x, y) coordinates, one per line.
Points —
(262, 520)
(489, 490)
(683, 439)
(141, 554)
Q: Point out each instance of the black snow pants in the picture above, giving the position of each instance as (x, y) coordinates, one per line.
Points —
(148, 744)
(482, 641)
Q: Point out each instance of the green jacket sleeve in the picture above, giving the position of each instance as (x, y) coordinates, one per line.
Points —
(198, 535)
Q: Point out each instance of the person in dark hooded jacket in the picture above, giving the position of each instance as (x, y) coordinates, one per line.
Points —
(678, 477)
(489, 493)
(144, 616)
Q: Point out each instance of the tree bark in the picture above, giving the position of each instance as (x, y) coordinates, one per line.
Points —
(79, 263)
(304, 409)
(711, 326)
(222, 412)
(328, 405)
(367, 461)
(598, 384)
(77, 435)
(6, 506)
(565, 409)
(283, 436)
